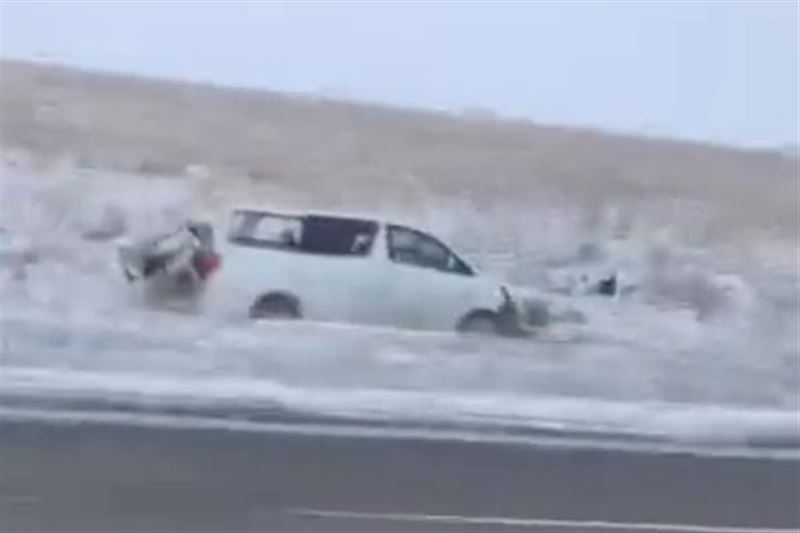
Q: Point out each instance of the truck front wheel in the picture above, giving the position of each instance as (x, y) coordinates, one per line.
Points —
(479, 322)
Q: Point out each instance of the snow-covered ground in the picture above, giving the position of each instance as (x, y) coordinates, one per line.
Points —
(701, 346)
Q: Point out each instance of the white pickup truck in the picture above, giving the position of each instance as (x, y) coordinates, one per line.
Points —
(347, 269)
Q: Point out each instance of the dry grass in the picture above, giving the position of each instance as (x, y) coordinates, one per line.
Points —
(341, 151)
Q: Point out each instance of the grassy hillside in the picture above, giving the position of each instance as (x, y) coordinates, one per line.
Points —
(341, 150)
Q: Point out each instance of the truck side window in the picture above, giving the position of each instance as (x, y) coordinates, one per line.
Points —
(337, 236)
(311, 234)
(413, 247)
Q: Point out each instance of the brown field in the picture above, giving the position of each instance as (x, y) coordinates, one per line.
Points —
(349, 153)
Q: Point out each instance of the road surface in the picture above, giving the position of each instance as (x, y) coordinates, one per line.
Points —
(94, 477)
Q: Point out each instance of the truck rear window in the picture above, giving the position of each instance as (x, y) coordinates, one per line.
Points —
(310, 234)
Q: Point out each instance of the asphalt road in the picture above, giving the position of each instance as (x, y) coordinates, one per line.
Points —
(91, 477)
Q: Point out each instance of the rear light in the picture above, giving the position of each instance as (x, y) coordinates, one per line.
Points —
(208, 263)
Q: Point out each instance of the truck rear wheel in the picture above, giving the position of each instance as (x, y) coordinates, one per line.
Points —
(275, 306)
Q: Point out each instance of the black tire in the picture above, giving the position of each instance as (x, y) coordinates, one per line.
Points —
(275, 306)
(479, 322)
